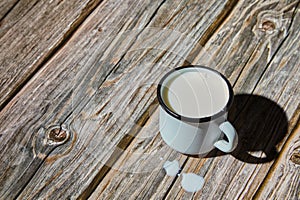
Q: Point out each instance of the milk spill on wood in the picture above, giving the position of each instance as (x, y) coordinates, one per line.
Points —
(172, 168)
(190, 182)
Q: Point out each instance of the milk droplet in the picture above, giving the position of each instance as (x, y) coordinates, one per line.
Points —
(172, 168)
(192, 182)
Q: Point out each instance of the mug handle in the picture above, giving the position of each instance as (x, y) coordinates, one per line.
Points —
(230, 132)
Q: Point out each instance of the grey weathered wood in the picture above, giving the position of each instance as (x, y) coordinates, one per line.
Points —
(220, 172)
(30, 33)
(21, 134)
(6, 6)
(140, 57)
(229, 178)
(283, 181)
(101, 87)
(74, 74)
(139, 173)
(44, 104)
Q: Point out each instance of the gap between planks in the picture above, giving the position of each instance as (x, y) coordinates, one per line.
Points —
(279, 47)
(123, 145)
(8, 11)
(285, 149)
(127, 139)
(207, 35)
(294, 121)
(220, 19)
(271, 59)
(86, 12)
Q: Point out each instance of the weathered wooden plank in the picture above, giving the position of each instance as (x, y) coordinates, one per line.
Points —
(30, 33)
(263, 126)
(61, 170)
(55, 96)
(250, 42)
(246, 43)
(5, 7)
(283, 180)
(285, 62)
(72, 76)
(50, 102)
(116, 135)
(135, 168)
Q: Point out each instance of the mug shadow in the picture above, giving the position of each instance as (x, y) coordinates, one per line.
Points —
(261, 124)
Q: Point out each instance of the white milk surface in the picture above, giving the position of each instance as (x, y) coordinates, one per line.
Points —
(195, 92)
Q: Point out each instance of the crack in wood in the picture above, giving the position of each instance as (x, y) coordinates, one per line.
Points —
(120, 148)
(228, 8)
(117, 64)
(41, 150)
(276, 52)
(9, 10)
(51, 53)
(268, 64)
(42, 153)
(126, 140)
(174, 180)
(204, 39)
(281, 157)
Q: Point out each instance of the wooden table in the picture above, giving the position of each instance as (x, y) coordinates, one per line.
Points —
(78, 107)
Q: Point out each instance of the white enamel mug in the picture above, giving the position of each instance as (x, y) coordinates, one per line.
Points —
(194, 103)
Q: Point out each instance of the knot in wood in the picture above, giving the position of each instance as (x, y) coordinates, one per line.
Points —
(57, 135)
(295, 158)
(268, 26)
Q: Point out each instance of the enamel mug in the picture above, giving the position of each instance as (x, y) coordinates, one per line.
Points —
(194, 103)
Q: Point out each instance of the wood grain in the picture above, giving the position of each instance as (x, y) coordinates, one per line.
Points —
(115, 115)
(24, 131)
(138, 173)
(221, 181)
(283, 180)
(5, 7)
(30, 33)
(100, 86)
(239, 176)
(72, 77)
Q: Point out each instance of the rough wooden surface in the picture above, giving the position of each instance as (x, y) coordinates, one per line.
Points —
(30, 32)
(140, 55)
(262, 124)
(283, 181)
(6, 6)
(86, 124)
(222, 170)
